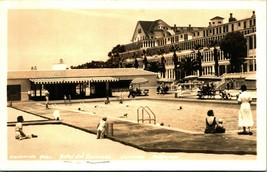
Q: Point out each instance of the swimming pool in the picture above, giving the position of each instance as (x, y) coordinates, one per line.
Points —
(180, 115)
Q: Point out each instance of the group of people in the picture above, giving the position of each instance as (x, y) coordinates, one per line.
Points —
(67, 99)
(245, 118)
(162, 88)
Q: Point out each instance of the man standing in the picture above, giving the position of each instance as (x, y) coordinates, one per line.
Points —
(131, 91)
(47, 98)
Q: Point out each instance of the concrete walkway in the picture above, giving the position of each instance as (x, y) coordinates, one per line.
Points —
(150, 138)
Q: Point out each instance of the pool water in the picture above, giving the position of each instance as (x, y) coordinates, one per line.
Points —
(187, 116)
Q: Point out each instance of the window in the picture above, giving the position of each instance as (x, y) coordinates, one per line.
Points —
(251, 67)
(245, 24)
(250, 42)
(139, 30)
(176, 38)
(255, 41)
(239, 24)
(219, 22)
(245, 67)
(232, 27)
(186, 36)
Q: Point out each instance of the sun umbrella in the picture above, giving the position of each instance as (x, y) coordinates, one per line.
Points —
(165, 80)
(139, 81)
(191, 77)
(209, 78)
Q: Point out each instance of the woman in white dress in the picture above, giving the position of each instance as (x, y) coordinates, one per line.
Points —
(245, 113)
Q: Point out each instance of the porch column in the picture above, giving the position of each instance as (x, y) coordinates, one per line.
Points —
(107, 88)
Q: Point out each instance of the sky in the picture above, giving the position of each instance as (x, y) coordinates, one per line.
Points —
(38, 36)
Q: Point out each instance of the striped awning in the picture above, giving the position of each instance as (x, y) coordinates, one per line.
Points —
(72, 80)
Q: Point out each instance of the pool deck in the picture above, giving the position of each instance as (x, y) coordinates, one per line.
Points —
(147, 137)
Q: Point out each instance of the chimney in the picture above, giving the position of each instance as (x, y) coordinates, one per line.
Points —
(253, 14)
(231, 18)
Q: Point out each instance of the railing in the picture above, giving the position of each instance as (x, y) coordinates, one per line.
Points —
(148, 111)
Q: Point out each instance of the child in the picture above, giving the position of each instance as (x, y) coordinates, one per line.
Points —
(210, 122)
(107, 101)
(56, 115)
(65, 99)
(19, 134)
(101, 128)
(220, 128)
(47, 99)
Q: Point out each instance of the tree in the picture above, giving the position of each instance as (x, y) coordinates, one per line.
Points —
(115, 56)
(163, 67)
(188, 65)
(175, 63)
(145, 61)
(214, 44)
(136, 65)
(235, 49)
(198, 47)
(153, 66)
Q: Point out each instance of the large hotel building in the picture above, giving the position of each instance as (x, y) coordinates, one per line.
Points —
(154, 35)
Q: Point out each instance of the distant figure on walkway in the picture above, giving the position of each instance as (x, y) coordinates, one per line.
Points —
(101, 128)
(179, 90)
(245, 118)
(47, 98)
(131, 91)
(210, 122)
(107, 101)
(219, 127)
(19, 134)
(65, 99)
(29, 94)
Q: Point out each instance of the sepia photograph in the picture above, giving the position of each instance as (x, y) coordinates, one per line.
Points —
(133, 85)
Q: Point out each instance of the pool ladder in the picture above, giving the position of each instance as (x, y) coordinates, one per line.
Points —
(148, 111)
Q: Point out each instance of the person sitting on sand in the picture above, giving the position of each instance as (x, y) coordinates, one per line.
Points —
(107, 101)
(19, 134)
(210, 122)
(101, 128)
(219, 127)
